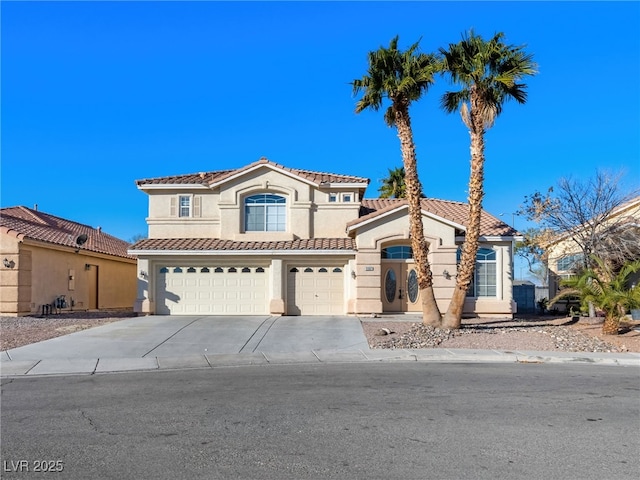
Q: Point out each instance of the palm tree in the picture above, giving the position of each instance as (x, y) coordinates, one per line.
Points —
(402, 77)
(488, 73)
(605, 289)
(393, 186)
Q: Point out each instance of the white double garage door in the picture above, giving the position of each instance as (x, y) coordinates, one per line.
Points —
(245, 290)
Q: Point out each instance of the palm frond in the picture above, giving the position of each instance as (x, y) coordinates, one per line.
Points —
(493, 68)
(396, 75)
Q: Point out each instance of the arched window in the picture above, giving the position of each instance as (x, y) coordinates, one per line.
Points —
(265, 212)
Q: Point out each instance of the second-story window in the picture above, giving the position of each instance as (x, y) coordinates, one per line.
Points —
(184, 209)
(265, 212)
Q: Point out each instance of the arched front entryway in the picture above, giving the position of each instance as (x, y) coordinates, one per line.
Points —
(400, 292)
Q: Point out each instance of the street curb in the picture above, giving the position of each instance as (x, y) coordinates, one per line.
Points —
(91, 366)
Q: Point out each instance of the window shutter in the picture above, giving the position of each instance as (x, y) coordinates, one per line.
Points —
(197, 200)
(174, 208)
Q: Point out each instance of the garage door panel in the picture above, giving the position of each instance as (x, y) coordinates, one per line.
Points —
(210, 290)
(315, 290)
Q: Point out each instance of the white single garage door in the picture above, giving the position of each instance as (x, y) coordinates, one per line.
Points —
(315, 290)
(212, 290)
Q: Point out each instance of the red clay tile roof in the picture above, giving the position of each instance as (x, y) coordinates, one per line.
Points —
(207, 178)
(456, 212)
(23, 222)
(215, 244)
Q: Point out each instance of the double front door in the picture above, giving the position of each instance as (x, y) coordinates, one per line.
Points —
(400, 291)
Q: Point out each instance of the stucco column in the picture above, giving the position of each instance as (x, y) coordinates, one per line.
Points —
(144, 275)
(276, 304)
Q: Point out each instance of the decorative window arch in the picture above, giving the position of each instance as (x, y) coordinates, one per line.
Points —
(265, 212)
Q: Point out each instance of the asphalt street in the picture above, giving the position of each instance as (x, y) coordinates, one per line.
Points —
(343, 421)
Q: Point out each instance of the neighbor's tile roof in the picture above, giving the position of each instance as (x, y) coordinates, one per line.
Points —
(207, 178)
(456, 212)
(23, 222)
(216, 244)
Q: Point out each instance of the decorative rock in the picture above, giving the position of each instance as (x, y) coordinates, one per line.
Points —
(383, 331)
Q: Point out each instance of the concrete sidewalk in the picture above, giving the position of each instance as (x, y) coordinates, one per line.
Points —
(172, 342)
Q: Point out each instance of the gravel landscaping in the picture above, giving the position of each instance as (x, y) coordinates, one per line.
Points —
(18, 331)
(539, 334)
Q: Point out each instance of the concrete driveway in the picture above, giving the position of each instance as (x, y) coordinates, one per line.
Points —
(173, 336)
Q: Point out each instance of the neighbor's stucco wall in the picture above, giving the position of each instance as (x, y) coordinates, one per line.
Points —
(15, 280)
(42, 273)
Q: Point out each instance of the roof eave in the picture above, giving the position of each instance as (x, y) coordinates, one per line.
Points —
(172, 186)
(147, 253)
(495, 238)
(424, 212)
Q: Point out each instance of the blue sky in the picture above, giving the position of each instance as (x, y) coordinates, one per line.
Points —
(98, 94)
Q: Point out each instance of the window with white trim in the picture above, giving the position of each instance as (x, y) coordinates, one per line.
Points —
(346, 197)
(184, 206)
(333, 197)
(485, 277)
(265, 212)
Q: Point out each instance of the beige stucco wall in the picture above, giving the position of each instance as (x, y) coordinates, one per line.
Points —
(309, 212)
(163, 225)
(394, 230)
(43, 272)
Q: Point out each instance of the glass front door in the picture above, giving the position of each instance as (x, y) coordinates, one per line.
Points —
(400, 291)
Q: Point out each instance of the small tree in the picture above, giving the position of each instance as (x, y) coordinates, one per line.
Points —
(605, 289)
(591, 217)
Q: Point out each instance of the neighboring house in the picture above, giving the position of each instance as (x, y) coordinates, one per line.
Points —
(564, 256)
(268, 239)
(45, 257)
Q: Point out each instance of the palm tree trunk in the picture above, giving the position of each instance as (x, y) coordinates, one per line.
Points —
(430, 311)
(611, 325)
(453, 316)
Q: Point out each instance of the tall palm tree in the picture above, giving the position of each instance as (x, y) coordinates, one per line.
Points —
(488, 73)
(403, 77)
(606, 289)
(393, 186)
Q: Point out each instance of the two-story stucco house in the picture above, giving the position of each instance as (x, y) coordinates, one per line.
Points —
(268, 239)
